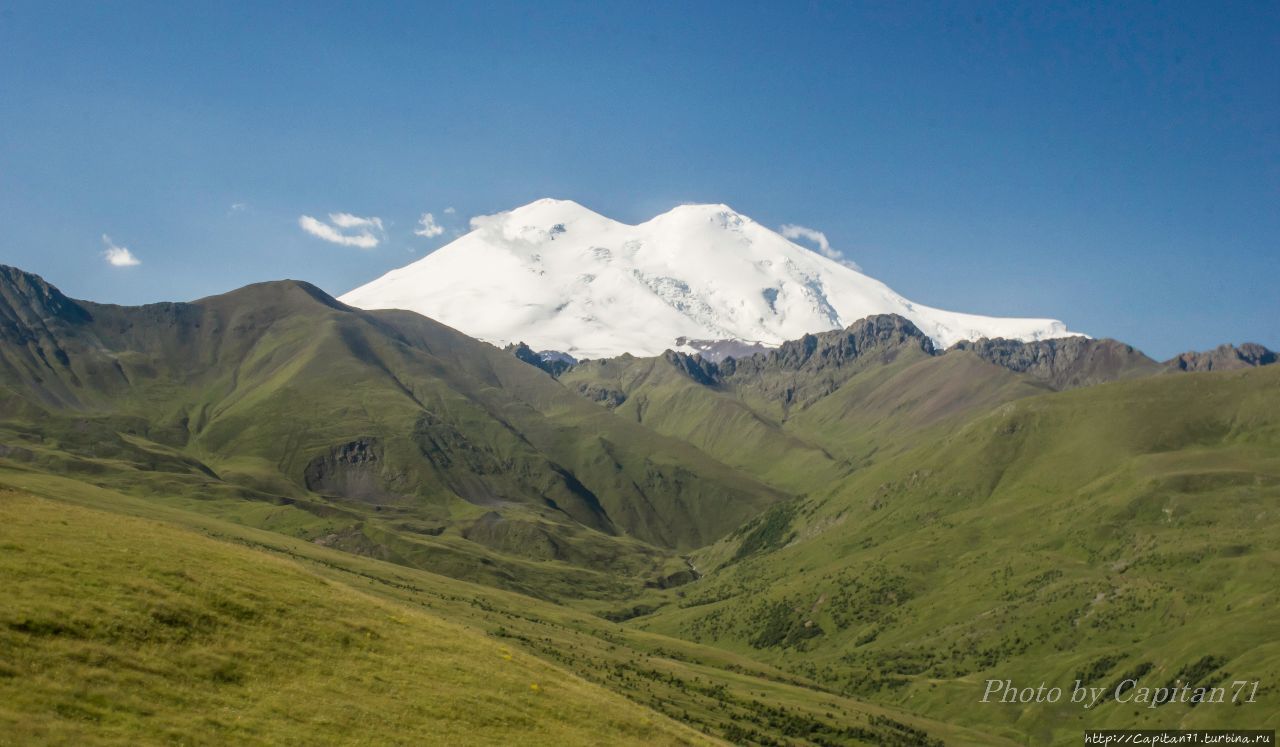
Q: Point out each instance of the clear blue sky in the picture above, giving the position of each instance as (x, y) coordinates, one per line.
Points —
(1115, 168)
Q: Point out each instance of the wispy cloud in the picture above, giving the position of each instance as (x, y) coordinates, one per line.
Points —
(347, 220)
(820, 242)
(450, 211)
(345, 229)
(118, 256)
(427, 226)
(239, 207)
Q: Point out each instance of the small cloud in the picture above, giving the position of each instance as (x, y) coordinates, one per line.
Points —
(449, 211)
(427, 226)
(118, 256)
(347, 220)
(345, 229)
(820, 242)
(239, 207)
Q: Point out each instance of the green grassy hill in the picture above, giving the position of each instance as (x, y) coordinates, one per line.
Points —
(1121, 528)
(812, 412)
(385, 433)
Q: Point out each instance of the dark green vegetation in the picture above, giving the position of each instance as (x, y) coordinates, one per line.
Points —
(837, 542)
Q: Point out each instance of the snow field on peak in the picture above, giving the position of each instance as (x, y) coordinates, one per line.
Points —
(558, 276)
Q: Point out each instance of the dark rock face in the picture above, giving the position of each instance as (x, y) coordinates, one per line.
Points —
(552, 361)
(1064, 363)
(1224, 358)
(802, 371)
(352, 470)
(30, 306)
(610, 398)
(718, 350)
(882, 336)
(38, 317)
(694, 366)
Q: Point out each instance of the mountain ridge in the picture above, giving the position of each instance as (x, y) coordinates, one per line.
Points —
(399, 431)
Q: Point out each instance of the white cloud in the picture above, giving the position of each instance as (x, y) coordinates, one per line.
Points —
(362, 233)
(118, 256)
(347, 220)
(239, 207)
(427, 226)
(819, 240)
(449, 211)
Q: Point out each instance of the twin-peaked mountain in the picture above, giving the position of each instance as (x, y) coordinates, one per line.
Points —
(560, 277)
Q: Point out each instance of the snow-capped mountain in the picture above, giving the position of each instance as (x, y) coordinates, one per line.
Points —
(558, 276)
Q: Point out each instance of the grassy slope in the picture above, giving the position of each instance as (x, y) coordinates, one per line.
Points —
(1100, 529)
(125, 630)
(712, 690)
(713, 419)
(875, 409)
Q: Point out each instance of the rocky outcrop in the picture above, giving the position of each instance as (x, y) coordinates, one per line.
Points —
(603, 395)
(1223, 358)
(794, 374)
(351, 470)
(717, 350)
(551, 361)
(881, 337)
(1064, 363)
(1071, 362)
(802, 371)
(30, 308)
(694, 366)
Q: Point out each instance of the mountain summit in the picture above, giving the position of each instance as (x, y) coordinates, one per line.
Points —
(561, 277)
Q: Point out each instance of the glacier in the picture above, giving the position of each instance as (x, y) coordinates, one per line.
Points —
(558, 276)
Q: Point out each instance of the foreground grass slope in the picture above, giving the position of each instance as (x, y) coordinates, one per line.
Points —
(1124, 528)
(122, 630)
(716, 692)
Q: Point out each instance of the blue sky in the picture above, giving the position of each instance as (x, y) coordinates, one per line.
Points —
(1118, 168)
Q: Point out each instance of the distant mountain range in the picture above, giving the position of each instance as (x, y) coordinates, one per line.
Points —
(560, 277)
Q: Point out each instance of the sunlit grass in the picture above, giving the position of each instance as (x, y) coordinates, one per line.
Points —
(122, 630)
